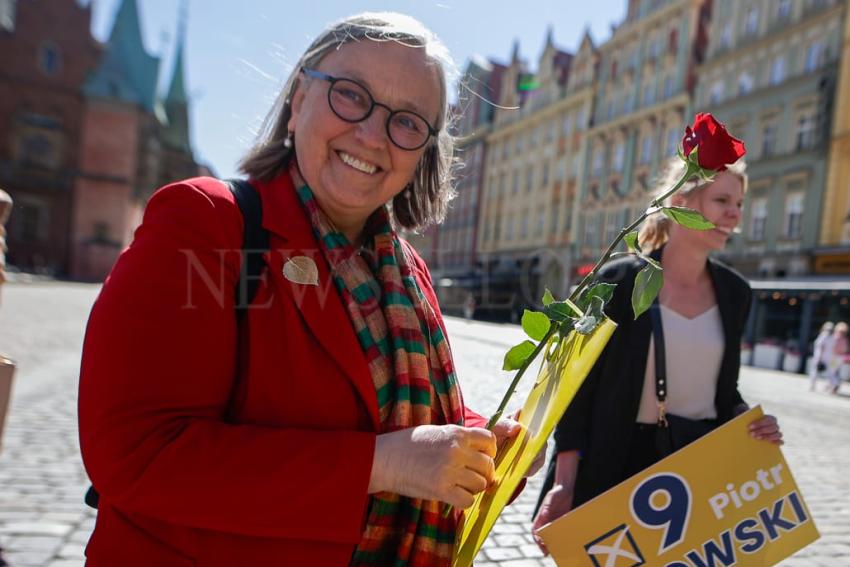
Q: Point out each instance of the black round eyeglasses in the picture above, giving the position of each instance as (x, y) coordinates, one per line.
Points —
(353, 102)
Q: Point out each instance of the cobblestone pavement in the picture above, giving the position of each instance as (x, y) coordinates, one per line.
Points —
(43, 521)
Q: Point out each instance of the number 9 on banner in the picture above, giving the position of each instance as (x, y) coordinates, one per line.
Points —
(663, 501)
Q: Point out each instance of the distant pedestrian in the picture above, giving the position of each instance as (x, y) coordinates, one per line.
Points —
(838, 352)
(820, 353)
(469, 306)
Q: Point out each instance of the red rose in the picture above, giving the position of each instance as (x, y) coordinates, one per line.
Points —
(716, 147)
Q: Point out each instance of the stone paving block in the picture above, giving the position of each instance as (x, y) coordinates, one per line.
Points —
(502, 553)
(530, 550)
(36, 528)
(72, 551)
(67, 563)
(509, 540)
(520, 563)
(27, 558)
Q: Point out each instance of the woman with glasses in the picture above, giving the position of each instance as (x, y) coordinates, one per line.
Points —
(327, 426)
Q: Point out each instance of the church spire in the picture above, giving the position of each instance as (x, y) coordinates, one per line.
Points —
(177, 88)
(126, 72)
(176, 102)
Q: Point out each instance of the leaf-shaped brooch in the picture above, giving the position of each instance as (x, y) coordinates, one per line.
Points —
(301, 270)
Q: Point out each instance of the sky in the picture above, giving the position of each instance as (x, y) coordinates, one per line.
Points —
(239, 52)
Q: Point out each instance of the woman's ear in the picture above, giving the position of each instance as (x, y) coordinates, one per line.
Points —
(295, 104)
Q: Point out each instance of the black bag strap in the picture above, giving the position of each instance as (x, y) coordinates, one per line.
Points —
(255, 242)
(660, 362)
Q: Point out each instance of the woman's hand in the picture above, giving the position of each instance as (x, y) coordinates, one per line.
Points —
(448, 463)
(509, 428)
(559, 500)
(766, 428)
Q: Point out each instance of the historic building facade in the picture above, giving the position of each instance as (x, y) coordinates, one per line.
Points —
(89, 137)
(48, 51)
(833, 254)
(642, 102)
(770, 75)
(530, 176)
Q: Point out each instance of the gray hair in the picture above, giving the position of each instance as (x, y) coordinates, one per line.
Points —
(431, 188)
(655, 230)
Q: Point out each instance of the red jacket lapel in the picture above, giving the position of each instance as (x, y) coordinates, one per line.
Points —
(320, 305)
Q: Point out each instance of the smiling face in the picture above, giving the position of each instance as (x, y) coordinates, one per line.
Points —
(720, 202)
(354, 168)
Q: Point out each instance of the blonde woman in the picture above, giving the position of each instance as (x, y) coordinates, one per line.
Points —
(610, 431)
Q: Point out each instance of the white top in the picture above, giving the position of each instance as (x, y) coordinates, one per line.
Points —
(694, 351)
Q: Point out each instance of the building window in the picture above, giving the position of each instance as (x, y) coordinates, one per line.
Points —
(529, 178)
(716, 94)
(619, 153)
(726, 36)
(609, 113)
(541, 221)
(32, 221)
(783, 10)
(590, 230)
(553, 220)
(668, 86)
(648, 95)
(567, 125)
(751, 21)
(768, 139)
(515, 183)
(598, 162)
(49, 58)
(509, 228)
(794, 215)
(814, 56)
(612, 225)
(777, 70)
(646, 150)
(546, 174)
(672, 142)
(806, 132)
(758, 219)
(673, 42)
(524, 226)
(745, 83)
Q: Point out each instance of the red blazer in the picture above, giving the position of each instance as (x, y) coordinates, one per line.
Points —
(193, 467)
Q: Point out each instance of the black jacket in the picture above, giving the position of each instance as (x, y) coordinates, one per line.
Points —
(600, 420)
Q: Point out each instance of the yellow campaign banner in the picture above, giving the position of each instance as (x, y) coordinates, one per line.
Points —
(563, 370)
(726, 499)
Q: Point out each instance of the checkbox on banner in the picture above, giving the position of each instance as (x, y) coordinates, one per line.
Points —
(616, 548)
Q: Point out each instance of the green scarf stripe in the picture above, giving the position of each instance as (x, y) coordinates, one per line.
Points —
(420, 397)
(363, 293)
(401, 344)
(394, 298)
(397, 532)
(385, 394)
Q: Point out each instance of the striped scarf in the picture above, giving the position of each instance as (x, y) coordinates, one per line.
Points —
(413, 372)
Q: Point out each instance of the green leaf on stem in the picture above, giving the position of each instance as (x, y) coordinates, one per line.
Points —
(631, 240)
(688, 218)
(517, 356)
(602, 290)
(647, 285)
(593, 316)
(535, 324)
(548, 297)
(558, 311)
